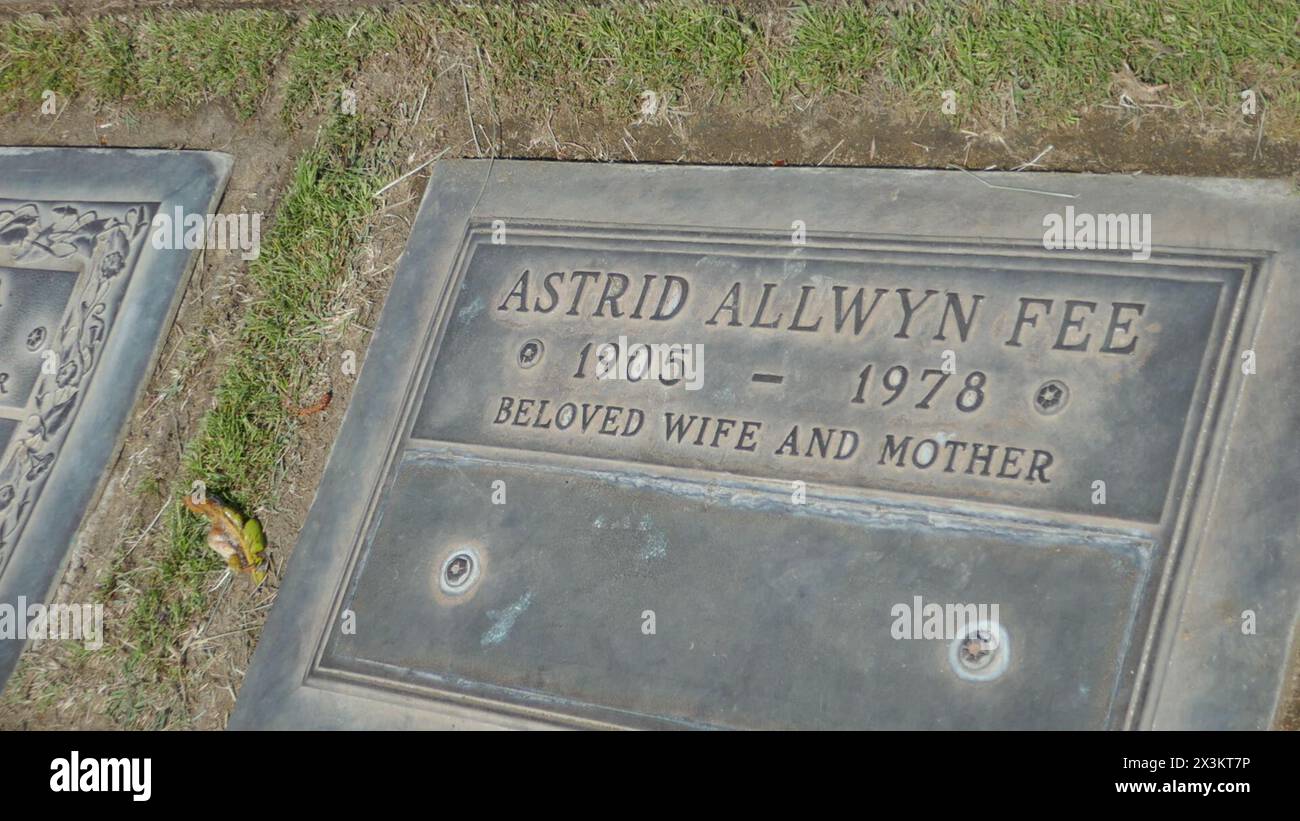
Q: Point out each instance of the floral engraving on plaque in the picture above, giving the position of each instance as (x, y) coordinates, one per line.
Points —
(103, 241)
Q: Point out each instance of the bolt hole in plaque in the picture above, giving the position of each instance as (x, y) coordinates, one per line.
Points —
(765, 548)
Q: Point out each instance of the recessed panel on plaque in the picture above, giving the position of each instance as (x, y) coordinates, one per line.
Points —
(809, 448)
(85, 298)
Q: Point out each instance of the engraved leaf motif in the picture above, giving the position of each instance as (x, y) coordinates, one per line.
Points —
(62, 249)
(67, 216)
(18, 226)
(106, 244)
(70, 232)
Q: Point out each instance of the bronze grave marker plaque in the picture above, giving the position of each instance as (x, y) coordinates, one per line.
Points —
(817, 448)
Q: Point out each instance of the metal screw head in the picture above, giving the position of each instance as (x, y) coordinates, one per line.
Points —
(530, 353)
(1051, 397)
(459, 571)
(981, 652)
(977, 650)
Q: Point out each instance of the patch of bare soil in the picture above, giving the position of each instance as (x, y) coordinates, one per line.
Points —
(425, 107)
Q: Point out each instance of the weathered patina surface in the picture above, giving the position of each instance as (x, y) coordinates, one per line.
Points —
(647, 446)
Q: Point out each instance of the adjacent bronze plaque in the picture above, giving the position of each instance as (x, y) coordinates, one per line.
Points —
(85, 299)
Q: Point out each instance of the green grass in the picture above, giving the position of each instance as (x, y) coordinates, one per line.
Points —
(302, 262)
(827, 47)
(603, 55)
(106, 67)
(36, 55)
(237, 451)
(328, 51)
(1054, 58)
(1049, 60)
(161, 62)
(188, 59)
